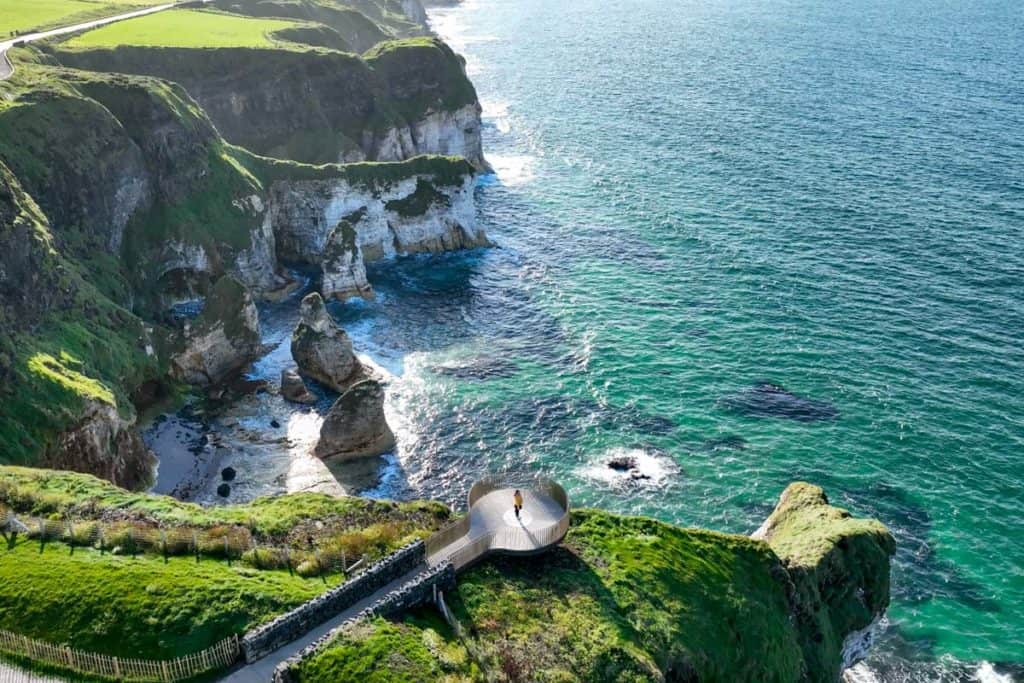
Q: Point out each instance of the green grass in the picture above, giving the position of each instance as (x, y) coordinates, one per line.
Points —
(625, 599)
(152, 607)
(25, 16)
(632, 599)
(186, 28)
(136, 607)
(69, 494)
(420, 648)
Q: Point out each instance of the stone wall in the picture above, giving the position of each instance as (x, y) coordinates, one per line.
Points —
(417, 591)
(265, 639)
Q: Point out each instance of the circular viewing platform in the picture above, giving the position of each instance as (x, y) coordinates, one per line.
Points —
(492, 526)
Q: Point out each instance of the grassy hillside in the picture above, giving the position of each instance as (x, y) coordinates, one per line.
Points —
(24, 16)
(625, 599)
(419, 648)
(185, 28)
(154, 607)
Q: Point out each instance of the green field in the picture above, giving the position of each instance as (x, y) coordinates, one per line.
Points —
(31, 15)
(140, 606)
(185, 28)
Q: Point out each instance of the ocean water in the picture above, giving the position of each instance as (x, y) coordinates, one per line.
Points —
(742, 243)
(739, 243)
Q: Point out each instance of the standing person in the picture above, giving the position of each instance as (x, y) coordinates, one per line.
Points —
(517, 500)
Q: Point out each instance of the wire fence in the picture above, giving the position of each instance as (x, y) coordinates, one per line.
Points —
(219, 656)
(229, 543)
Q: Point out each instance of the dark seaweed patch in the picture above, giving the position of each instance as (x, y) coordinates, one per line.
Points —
(765, 399)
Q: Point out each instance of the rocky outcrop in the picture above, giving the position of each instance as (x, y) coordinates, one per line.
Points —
(837, 575)
(323, 350)
(222, 340)
(293, 388)
(106, 445)
(452, 133)
(356, 427)
(338, 224)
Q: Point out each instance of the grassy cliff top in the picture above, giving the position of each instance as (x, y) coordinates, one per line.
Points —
(633, 599)
(24, 16)
(624, 599)
(186, 28)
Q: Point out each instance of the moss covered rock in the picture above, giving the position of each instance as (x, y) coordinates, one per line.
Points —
(223, 339)
(839, 568)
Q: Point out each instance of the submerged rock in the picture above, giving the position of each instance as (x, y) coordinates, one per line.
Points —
(224, 490)
(293, 388)
(228, 474)
(355, 426)
(323, 350)
(731, 442)
(771, 400)
(224, 338)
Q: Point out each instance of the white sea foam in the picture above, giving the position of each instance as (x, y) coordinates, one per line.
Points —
(986, 673)
(513, 170)
(496, 114)
(647, 468)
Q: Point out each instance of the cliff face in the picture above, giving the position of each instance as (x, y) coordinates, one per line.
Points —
(338, 224)
(404, 98)
(142, 205)
(67, 355)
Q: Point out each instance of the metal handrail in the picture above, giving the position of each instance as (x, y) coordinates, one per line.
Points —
(446, 535)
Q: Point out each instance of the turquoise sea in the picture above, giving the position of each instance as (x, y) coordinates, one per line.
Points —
(739, 243)
(743, 243)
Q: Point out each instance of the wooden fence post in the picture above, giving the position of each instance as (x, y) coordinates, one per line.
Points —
(195, 544)
(167, 673)
(117, 667)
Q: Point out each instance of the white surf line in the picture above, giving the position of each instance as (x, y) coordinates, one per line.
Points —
(7, 68)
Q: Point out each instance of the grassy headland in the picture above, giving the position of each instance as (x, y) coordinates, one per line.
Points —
(632, 599)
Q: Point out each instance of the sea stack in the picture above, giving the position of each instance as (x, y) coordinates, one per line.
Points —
(323, 350)
(355, 427)
(223, 339)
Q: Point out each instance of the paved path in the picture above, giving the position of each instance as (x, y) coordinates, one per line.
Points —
(6, 68)
(263, 669)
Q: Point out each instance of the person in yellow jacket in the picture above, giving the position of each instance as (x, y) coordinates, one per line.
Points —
(517, 501)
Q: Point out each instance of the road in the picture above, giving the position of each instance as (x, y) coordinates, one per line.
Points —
(6, 68)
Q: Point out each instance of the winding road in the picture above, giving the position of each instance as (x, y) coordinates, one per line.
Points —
(7, 68)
